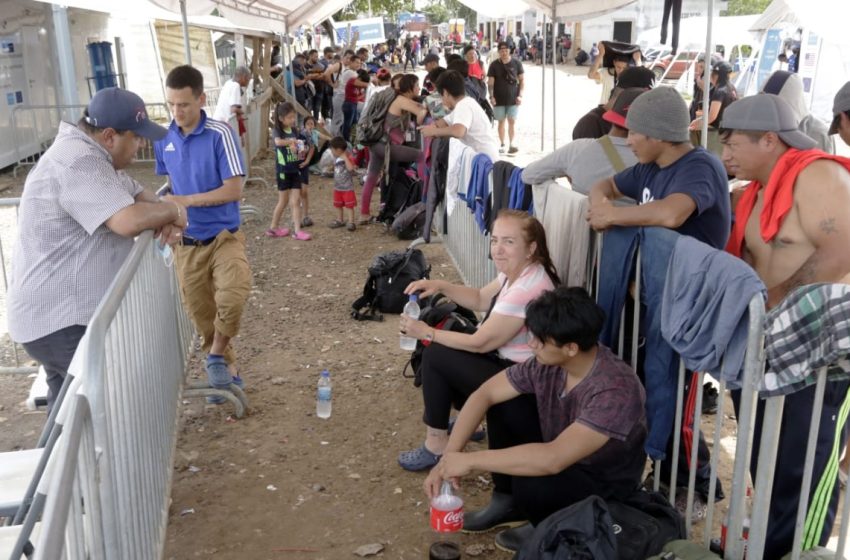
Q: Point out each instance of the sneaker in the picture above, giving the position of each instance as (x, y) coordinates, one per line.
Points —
(709, 399)
(502, 149)
(512, 150)
(500, 512)
(218, 376)
(277, 232)
(302, 236)
(512, 540)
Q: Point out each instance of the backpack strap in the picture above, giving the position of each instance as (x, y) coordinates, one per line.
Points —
(611, 153)
(367, 301)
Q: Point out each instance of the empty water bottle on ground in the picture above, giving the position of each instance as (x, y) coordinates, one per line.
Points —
(323, 396)
(446, 522)
(411, 309)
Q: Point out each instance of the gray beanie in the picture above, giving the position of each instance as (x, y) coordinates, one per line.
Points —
(660, 113)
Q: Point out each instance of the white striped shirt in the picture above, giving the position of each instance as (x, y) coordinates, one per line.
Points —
(65, 257)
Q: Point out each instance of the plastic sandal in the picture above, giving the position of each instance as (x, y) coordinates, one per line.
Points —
(477, 435)
(366, 221)
(302, 236)
(307, 221)
(336, 224)
(277, 232)
(351, 226)
(419, 459)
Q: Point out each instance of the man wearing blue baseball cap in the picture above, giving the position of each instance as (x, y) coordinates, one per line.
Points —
(78, 216)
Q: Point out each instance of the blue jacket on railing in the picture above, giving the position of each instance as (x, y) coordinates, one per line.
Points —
(661, 364)
(520, 197)
(478, 193)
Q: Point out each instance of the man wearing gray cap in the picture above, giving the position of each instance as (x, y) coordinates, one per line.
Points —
(792, 225)
(676, 185)
(841, 110)
(78, 216)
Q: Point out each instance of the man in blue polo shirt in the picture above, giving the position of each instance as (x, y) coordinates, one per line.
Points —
(203, 161)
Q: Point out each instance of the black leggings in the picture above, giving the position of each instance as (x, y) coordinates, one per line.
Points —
(449, 376)
(516, 422)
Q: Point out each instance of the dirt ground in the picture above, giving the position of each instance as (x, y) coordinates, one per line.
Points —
(282, 483)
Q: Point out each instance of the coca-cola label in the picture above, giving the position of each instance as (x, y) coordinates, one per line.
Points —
(447, 521)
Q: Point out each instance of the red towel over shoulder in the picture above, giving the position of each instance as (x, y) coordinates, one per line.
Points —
(778, 196)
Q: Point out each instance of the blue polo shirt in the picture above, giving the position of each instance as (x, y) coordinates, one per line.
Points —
(200, 162)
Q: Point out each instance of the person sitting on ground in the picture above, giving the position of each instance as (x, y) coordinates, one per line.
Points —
(592, 125)
(467, 121)
(567, 424)
(585, 162)
(456, 364)
(397, 126)
(344, 196)
(789, 87)
(677, 185)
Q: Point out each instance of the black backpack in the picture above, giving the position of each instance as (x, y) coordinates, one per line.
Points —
(389, 275)
(582, 531)
(403, 189)
(443, 314)
(643, 524)
(409, 222)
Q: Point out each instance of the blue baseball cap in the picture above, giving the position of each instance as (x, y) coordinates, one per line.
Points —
(122, 110)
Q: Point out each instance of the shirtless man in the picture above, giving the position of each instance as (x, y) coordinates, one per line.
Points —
(794, 231)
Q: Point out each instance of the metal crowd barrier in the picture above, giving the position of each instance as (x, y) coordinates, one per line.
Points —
(34, 128)
(212, 99)
(133, 362)
(469, 249)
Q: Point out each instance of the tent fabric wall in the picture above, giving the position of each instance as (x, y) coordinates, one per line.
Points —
(263, 14)
(563, 9)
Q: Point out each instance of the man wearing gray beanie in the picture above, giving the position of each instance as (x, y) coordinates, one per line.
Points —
(677, 186)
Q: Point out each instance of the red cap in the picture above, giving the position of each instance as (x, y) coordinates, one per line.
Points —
(383, 73)
(617, 114)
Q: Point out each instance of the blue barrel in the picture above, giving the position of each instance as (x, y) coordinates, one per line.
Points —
(103, 68)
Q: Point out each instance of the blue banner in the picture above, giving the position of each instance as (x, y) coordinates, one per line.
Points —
(769, 53)
(370, 31)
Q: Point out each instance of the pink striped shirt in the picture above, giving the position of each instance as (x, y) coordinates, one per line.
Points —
(512, 301)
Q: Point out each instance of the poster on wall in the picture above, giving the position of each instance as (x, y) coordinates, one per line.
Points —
(13, 78)
(810, 47)
(769, 54)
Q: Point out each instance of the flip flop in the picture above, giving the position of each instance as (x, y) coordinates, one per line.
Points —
(302, 236)
(418, 459)
(277, 232)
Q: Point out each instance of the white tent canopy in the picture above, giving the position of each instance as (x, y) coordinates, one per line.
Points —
(567, 9)
(273, 15)
(826, 16)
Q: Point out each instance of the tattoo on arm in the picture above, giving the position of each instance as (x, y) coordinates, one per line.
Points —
(827, 225)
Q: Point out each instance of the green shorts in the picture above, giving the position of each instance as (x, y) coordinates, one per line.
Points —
(501, 112)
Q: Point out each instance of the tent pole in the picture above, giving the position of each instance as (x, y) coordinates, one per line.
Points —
(288, 67)
(185, 32)
(706, 83)
(543, 88)
(554, 80)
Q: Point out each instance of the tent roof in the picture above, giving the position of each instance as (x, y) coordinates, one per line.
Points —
(819, 16)
(564, 9)
(263, 14)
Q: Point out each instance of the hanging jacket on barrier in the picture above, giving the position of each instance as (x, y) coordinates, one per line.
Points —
(436, 189)
(478, 194)
(502, 171)
(705, 309)
(521, 198)
(562, 212)
(661, 364)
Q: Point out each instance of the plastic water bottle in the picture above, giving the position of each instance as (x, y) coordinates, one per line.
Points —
(323, 396)
(446, 522)
(411, 309)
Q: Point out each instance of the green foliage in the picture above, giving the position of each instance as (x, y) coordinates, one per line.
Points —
(389, 8)
(441, 11)
(745, 7)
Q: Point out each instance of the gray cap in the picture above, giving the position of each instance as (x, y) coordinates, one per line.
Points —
(660, 113)
(841, 104)
(769, 113)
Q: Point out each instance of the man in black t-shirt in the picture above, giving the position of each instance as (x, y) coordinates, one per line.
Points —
(505, 82)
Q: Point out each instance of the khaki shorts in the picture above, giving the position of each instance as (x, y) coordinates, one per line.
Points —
(215, 281)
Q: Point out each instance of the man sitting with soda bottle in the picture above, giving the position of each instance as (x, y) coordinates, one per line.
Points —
(564, 425)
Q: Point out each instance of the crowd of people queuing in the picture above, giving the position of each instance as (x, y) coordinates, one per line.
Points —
(565, 417)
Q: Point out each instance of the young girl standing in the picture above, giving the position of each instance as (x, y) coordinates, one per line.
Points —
(290, 172)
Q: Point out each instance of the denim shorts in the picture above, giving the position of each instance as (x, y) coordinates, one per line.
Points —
(501, 112)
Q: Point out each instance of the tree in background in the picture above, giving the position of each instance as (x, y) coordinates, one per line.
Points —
(441, 11)
(745, 7)
(389, 8)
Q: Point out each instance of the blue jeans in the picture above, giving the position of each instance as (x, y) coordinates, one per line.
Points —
(349, 116)
(661, 364)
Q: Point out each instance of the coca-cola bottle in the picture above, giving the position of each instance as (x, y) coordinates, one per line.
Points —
(446, 522)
